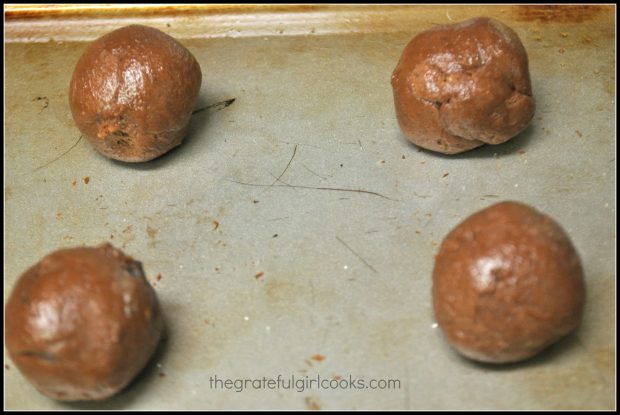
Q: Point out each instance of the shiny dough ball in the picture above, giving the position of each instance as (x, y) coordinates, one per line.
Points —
(82, 323)
(459, 86)
(132, 93)
(507, 283)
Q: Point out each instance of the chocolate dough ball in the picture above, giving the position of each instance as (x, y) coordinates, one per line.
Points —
(507, 283)
(82, 322)
(133, 92)
(459, 86)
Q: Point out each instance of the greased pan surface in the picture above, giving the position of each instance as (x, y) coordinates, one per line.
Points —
(270, 261)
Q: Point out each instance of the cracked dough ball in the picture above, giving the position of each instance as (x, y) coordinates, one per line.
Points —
(507, 283)
(82, 323)
(133, 92)
(457, 87)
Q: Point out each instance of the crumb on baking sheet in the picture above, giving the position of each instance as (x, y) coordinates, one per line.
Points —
(259, 275)
(216, 225)
(86, 179)
(318, 357)
(312, 403)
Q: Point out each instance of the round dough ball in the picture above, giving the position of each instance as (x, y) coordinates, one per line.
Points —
(507, 283)
(82, 323)
(133, 92)
(459, 86)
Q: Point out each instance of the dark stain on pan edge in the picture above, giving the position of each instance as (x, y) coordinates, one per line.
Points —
(557, 13)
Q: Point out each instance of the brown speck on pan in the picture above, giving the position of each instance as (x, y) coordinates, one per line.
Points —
(86, 179)
(561, 50)
(418, 232)
(318, 357)
(578, 133)
(207, 322)
(59, 215)
(158, 277)
(312, 403)
(255, 201)
(216, 225)
(162, 375)
(73, 183)
(217, 269)
(445, 175)
(521, 152)
(111, 236)
(6, 366)
(402, 157)
(336, 377)
(275, 235)
(259, 275)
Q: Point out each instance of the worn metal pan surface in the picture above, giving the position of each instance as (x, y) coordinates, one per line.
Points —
(302, 275)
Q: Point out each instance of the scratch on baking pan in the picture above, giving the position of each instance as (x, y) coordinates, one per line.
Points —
(356, 254)
(312, 171)
(287, 166)
(299, 144)
(55, 159)
(217, 106)
(294, 186)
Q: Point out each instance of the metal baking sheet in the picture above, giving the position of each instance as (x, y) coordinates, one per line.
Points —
(271, 262)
